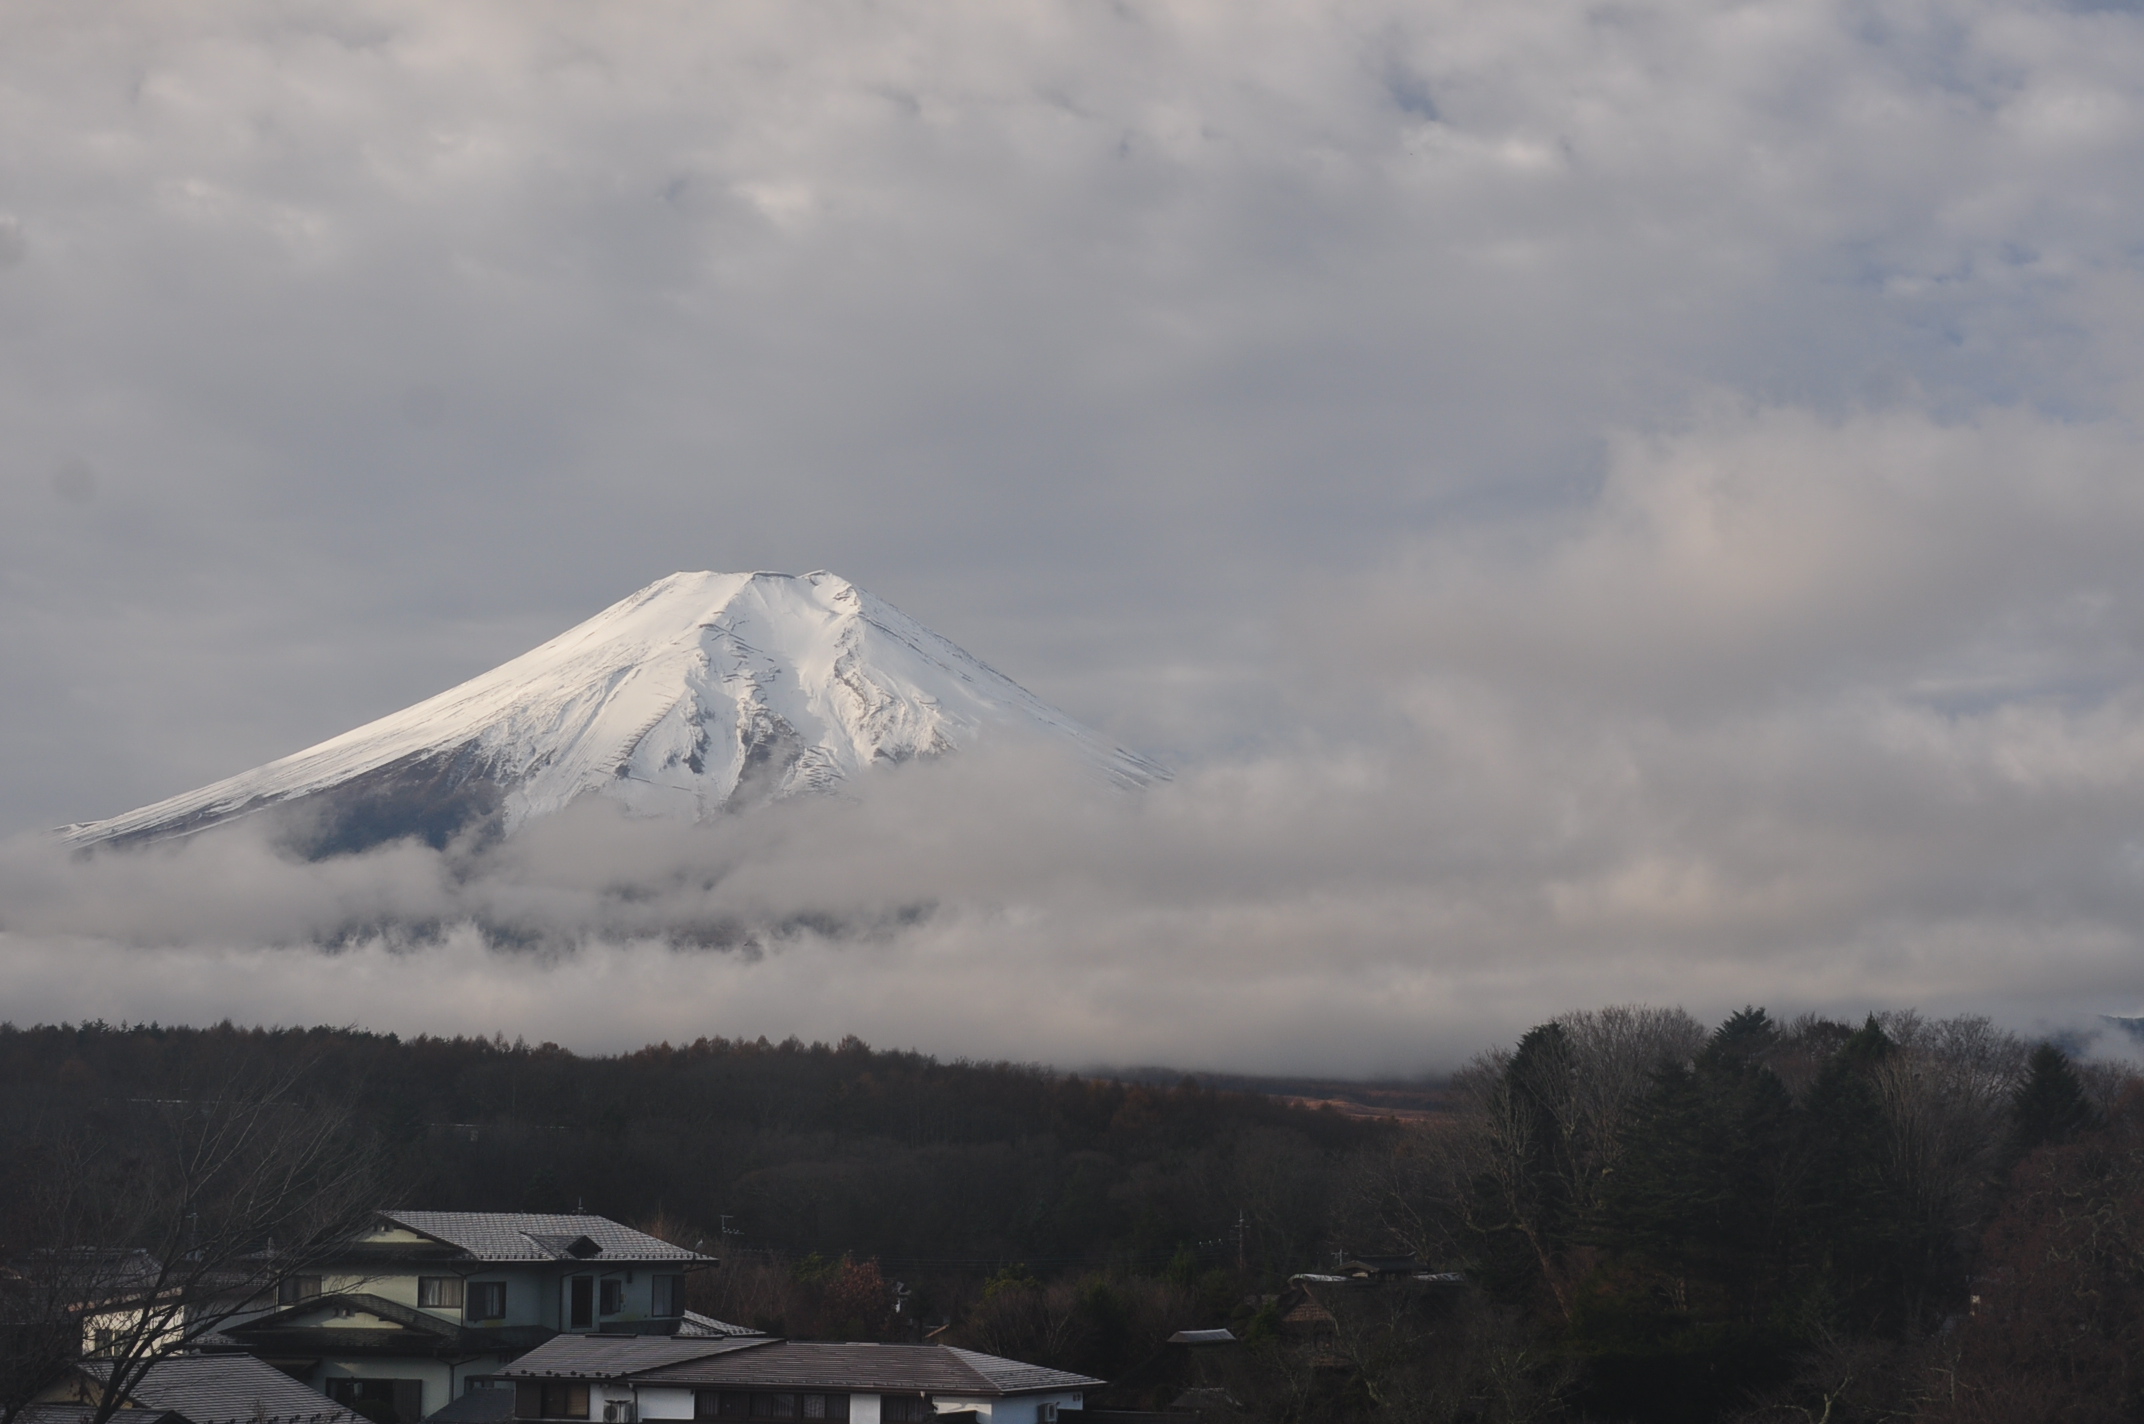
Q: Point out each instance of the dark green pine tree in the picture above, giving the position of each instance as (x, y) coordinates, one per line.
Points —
(1704, 1191)
(1862, 1252)
(1524, 1206)
(2049, 1106)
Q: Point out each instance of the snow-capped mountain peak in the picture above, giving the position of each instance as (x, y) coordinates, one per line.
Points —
(701, 693)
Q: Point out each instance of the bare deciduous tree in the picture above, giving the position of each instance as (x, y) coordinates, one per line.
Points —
(135, 1227)
(1615, 1052)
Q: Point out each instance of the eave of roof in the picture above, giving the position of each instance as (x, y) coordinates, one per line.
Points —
(375, 1305)
(621, 1356)
(413, 1331)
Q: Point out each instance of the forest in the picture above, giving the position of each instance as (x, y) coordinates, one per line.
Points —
(1625, 1216)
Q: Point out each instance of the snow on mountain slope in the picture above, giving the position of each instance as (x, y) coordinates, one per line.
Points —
(703, 692)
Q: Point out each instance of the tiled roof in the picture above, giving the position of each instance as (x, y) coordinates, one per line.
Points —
(695, 1326)
(227, 1389)
(83, 1413)
(613, 1356)
(795, 1364)
(538, 1236)
(1013, 1376)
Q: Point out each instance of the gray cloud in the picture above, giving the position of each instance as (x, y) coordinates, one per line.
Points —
(1597, 504)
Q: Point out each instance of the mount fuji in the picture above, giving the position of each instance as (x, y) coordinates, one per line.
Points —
(703, 693)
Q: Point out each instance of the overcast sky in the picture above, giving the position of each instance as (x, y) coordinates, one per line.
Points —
(1607, 501)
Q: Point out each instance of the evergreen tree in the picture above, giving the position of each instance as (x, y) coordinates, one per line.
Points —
(1856, 1229)
(1522, 1204)
(1704, 1190)
(2049, 1106)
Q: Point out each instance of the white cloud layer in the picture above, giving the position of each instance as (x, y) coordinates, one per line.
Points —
(1598, 502)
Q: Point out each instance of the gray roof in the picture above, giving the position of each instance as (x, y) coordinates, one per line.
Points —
(1203, 1337)
(614, 1356)
(227, 1389)
(897, 1369)
(704, 1327)
(1012, 1376)
(539, 1236)
(82, 1413)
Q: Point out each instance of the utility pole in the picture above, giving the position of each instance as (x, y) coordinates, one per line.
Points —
(1242, 1227)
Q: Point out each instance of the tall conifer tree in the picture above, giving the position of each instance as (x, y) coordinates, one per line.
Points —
(2049, 1106)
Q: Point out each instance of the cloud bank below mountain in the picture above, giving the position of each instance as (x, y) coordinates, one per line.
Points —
(1816, 715)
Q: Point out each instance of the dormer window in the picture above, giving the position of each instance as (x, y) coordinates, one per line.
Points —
(578, 1248)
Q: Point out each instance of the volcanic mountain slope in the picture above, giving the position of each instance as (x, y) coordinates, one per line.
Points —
(702, 693)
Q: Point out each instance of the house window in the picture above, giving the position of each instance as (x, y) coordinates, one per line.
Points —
(487, 1300)
(551, 1401)
(383, 1401)
(903, 1408)
(666, 1295)
(293, 1289)
(613, 1297)
(740, 1404)
(581, 1302)
(439, 1292)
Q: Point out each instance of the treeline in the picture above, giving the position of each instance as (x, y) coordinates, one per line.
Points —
(1900, 1219)
(794, 1148)
(1636, 1218)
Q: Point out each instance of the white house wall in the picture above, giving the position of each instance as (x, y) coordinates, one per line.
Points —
(1019, 1409)
(656, 1403)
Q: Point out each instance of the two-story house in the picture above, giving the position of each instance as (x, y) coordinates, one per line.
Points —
(628, 1380)
(396, 1321)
